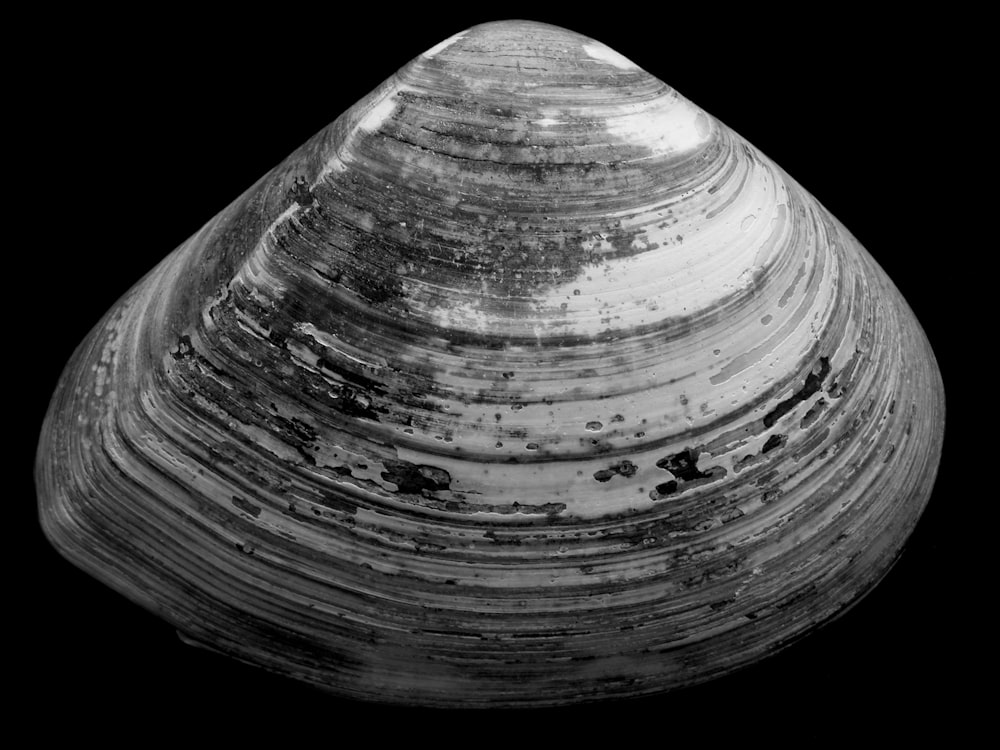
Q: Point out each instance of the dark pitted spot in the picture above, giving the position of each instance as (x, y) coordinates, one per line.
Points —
(775, 441)
(184, 348)
(663, 490)
(300, 193)
(623, 468)
(357, 403)
(812, 385)
(683, 465)
(770, 496)
(246, 506)
(416, 479)
(626, 468)
(813, 414)
(303, 430)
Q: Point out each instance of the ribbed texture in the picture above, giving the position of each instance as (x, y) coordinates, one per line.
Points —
(524, 382)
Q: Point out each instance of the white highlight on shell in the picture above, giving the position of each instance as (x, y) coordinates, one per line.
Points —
(382, 105)
(284, 216)
(605, 54)
(668, 124)
(335, 345)
(255, 271)
(438, 48)
(378, 114)
(465, 314)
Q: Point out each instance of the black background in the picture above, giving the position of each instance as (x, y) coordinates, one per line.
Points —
(142, 128)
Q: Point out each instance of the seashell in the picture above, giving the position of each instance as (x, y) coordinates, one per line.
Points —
(524, 382)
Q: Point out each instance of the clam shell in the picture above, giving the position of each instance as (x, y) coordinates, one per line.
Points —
(518, 384)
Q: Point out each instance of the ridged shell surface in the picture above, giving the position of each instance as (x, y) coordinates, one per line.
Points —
(524, 382)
